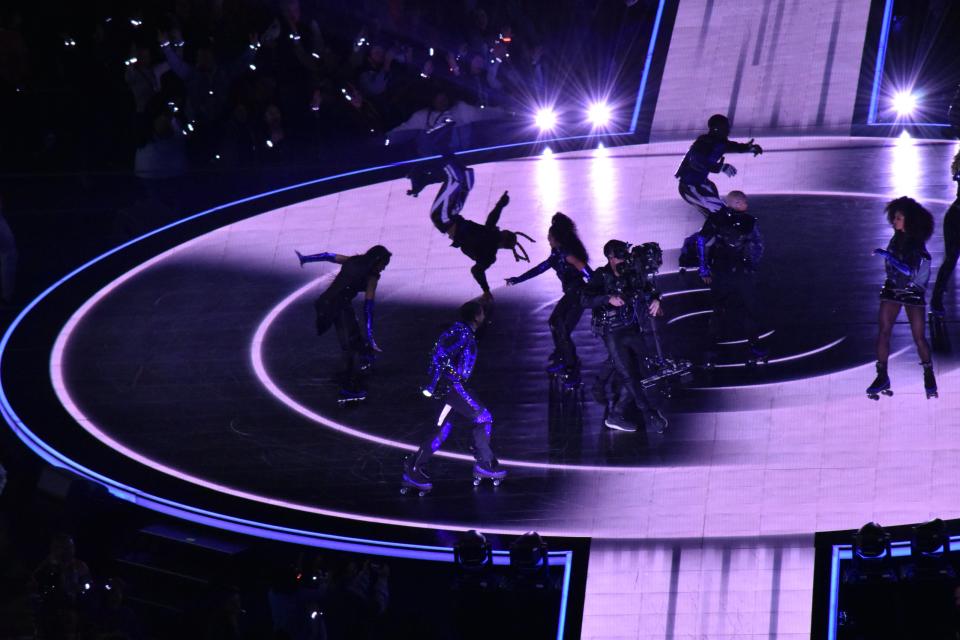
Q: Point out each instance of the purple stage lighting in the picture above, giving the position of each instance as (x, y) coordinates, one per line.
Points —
(545, 118)
(904, 103)
(599, 114)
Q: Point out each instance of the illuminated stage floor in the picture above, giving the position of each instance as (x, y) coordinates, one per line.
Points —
(203, 362)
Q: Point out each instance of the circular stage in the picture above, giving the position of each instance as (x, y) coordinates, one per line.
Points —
(186, 365)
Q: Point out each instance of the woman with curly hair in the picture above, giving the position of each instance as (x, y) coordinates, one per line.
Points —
(951, 245)
(568, 257)
(908, 272)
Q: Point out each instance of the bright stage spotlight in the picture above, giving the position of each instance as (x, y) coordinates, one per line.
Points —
(904, 103)
(545, 118)
(599, 114)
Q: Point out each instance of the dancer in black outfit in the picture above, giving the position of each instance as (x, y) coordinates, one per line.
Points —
(951, 245)
(451, 365)
(729, 248)
(357, 273)
(705, 157)
(908, 272)
(619, 304)
(568, 258)
(480, 242)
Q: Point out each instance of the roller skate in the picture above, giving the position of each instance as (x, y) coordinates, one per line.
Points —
(929, 380)
(939, 339)
(491, 470)
(348, 397)
(880, 384)
(414, 479)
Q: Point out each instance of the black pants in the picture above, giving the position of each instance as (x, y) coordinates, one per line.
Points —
(703, 196)
(563, 321)
(951, 252)
(733, 292)
(344, 321)
(460, 400)
(627, 348)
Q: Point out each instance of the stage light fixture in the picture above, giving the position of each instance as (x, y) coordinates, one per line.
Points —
(904, 103)
(472, 550)
(599, 114)
(930, 538)
(871, 541)
(545, 119)
(529, 551)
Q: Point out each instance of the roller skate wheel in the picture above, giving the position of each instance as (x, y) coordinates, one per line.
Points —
(889, 392)
(873, 396)
(422, 493)
(404, 490)
(476, 482)
(497, 482)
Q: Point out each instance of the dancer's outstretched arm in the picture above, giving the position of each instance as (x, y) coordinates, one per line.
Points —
(321, 257)
(530, 273)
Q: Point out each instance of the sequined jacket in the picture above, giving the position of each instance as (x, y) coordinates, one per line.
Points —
(455, 353)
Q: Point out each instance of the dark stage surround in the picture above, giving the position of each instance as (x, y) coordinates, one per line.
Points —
(205, 359)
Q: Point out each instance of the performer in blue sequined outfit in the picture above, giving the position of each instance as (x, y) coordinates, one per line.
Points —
(451, 366)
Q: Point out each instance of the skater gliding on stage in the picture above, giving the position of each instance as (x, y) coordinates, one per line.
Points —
(569, 259)
(480, 242)
(334, 307)
(451, 366)
(908, 272)
(705, 157)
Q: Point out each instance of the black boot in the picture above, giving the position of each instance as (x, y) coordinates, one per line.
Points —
(880, 384)
(414, 470)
